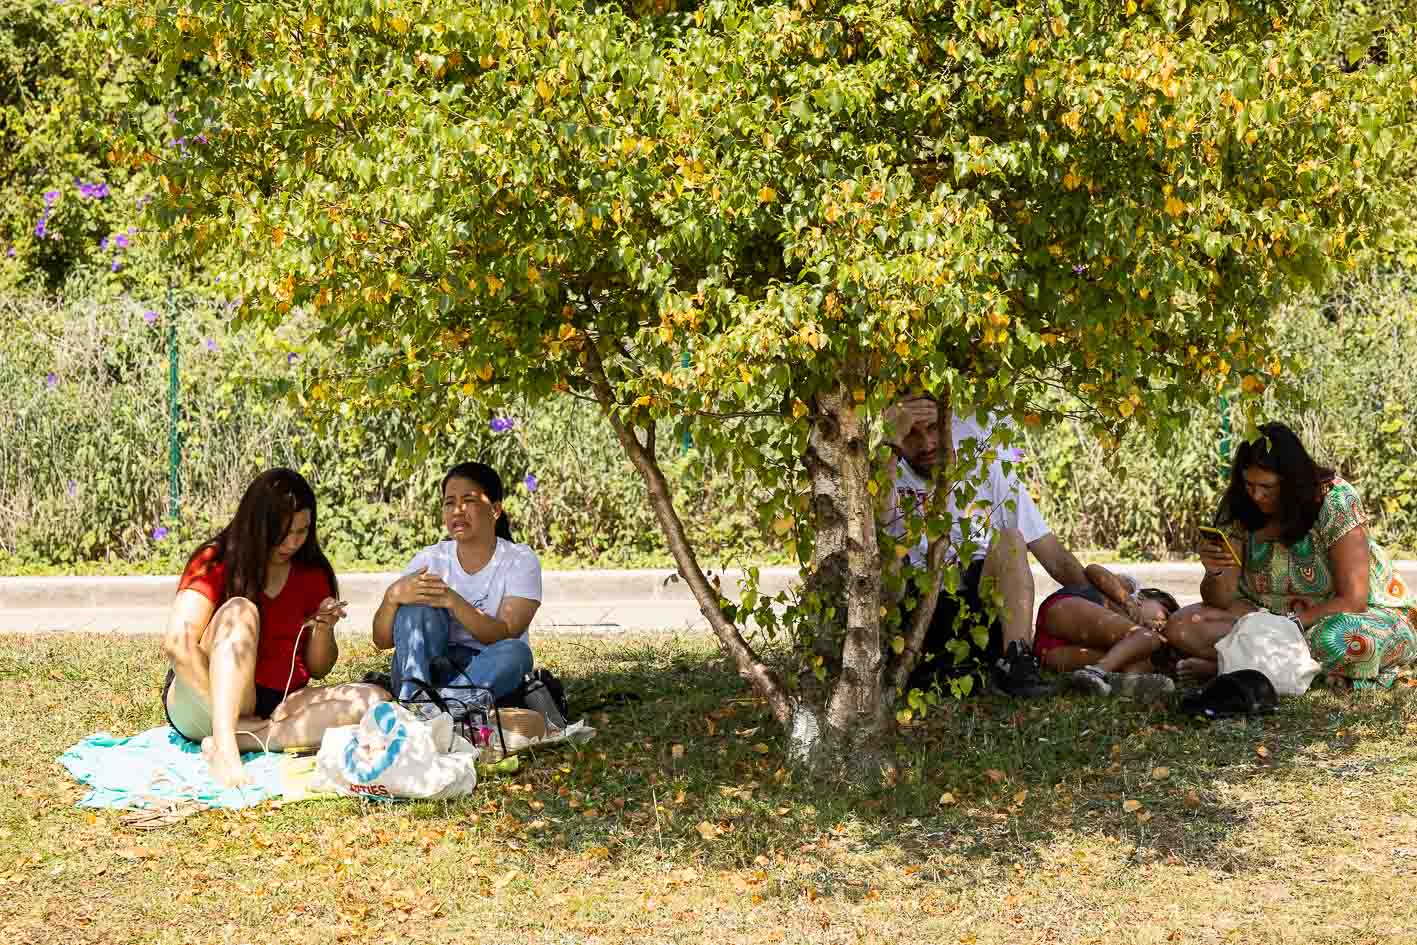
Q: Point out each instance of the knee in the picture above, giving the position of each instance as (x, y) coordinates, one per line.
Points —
(238, 620)
(410, 618)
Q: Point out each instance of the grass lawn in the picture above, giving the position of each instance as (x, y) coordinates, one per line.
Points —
(1060, 821)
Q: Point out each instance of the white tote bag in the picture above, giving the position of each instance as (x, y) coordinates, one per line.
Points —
(1275, 646)
(393, 754)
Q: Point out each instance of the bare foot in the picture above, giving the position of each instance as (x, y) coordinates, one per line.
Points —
(225, 765)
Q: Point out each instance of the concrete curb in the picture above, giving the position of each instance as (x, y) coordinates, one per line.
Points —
(575, 601)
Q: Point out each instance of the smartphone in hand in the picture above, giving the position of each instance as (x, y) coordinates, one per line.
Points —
(1218, 537)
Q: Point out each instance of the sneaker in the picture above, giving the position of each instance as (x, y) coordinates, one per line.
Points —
(1090, 680)
(1016, 674)
(1144, 687)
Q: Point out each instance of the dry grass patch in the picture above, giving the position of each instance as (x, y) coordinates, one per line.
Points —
(1062, 821)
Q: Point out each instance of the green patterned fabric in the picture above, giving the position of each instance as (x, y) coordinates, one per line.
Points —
(1364, 649)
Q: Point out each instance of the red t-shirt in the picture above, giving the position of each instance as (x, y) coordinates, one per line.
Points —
(281, 616)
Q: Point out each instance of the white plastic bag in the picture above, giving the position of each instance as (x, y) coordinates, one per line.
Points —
(1275, 646)
(393, 754)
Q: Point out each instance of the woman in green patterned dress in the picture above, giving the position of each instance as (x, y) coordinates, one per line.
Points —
(1300, 535)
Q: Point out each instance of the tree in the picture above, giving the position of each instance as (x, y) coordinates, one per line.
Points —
(821, 204)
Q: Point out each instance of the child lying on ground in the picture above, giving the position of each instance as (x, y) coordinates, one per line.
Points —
(1103, 634)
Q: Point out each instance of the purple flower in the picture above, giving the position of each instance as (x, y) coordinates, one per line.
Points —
(530, 483)
(292, 358)
(502, 424)
(10, 252)
(159, 533)
(50, 197)
(202, 138)
(1079, 269)
(41, 227)
(103, 243)
(121, 241)
(144, 200)
(211, 344)
(73, 488)
(150, 317)
(116, 266)
(51, 380)
(132, 231)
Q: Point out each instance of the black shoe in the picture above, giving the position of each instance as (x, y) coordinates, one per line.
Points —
(1016, 674)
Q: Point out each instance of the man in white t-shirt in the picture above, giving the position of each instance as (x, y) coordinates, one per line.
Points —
(1004, 527)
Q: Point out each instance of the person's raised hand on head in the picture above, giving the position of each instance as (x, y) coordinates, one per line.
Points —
(904, 416)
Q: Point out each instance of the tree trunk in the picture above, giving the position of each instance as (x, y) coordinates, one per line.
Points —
(844, 736)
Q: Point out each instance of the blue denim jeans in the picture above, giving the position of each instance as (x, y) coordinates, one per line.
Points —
(422, 651)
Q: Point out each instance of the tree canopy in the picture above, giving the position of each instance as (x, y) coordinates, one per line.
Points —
(761, 222)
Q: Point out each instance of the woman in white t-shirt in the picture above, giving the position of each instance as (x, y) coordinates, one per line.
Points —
(458, 617)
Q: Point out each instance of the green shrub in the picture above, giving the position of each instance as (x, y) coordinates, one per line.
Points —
(83, 461)
(84, 451)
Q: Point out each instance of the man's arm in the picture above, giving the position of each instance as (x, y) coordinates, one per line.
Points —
(1057, 560)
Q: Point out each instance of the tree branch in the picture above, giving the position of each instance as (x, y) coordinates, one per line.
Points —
(934, 555)
(763, 680)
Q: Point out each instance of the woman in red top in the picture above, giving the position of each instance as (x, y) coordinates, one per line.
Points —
(252, 623)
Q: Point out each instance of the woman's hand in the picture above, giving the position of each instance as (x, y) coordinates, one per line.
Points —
(331, 612)
(1215, 557)
(407, 589)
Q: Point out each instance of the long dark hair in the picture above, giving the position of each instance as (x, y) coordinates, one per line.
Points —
(261, 523)
(491, 485)
(1278, 450)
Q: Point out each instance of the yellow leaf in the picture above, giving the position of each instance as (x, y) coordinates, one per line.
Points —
(707, 830)
(643, 400)
(566, 331)
(468, 389)
(873, 487)
(782, 525)
(1160, 773)
(1060, 26)
(676, 752)
(1131, 806)
(543, 90)
(1174, 206)
(399, 24)
(767, 194)
(902, 349)
(761, 748)
(946, 799)
(859, 394)
(904, 716)
(278, 236)
(1021, 796)
(485, 372)
(1262, 751)
(1252, 384)
(494, 284)
(799, 410)
(898, 644)
(1125, 408)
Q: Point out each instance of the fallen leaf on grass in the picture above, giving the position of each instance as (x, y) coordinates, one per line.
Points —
(503, 880)
(676, 752)
(1262, 751)
(1131, 806)
(946, 799)
(994, 774)
(1143, 816)
(761, 749)
(1160, 773)
(1021, 796)
(708, 830)
(1192, 799)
